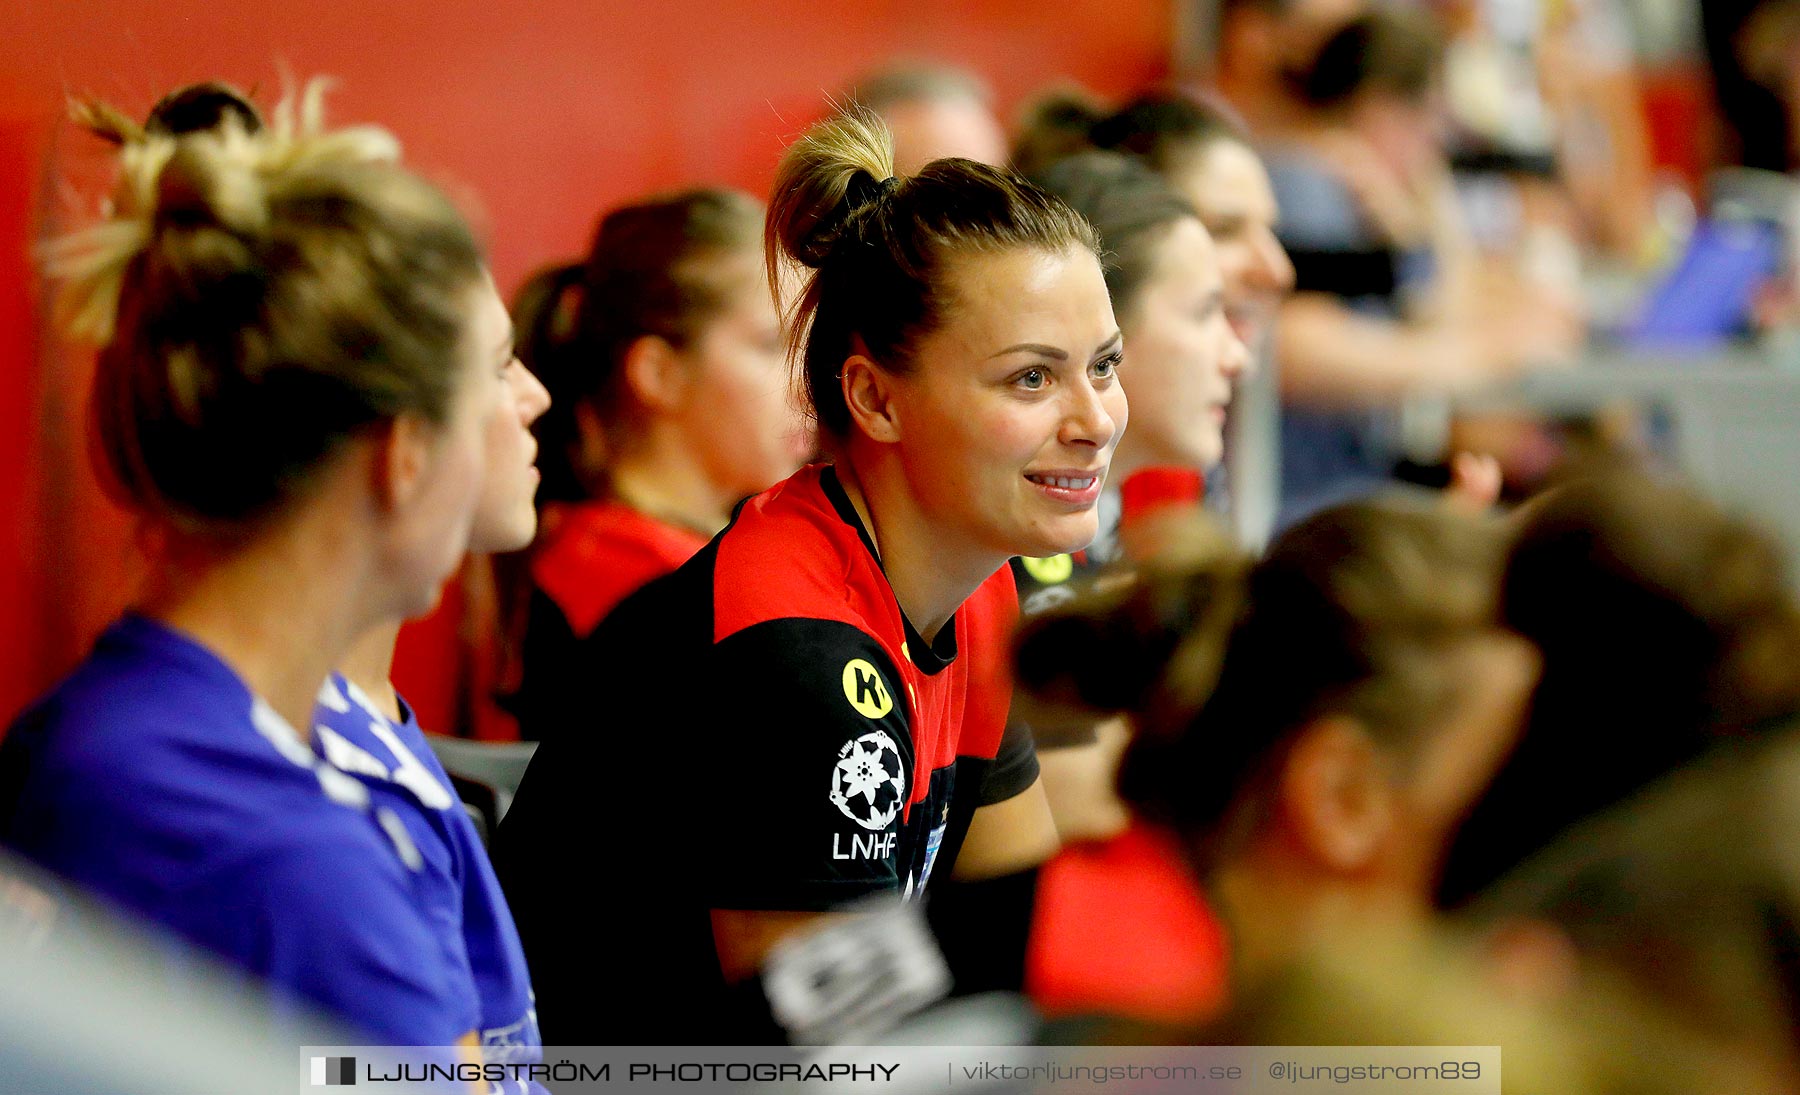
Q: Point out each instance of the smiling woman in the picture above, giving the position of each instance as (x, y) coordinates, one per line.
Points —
(838, 649)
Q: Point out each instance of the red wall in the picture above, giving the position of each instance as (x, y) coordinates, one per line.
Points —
(20, 649)
(541, 113)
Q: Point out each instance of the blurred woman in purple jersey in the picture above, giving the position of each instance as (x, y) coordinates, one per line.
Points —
(302, 356)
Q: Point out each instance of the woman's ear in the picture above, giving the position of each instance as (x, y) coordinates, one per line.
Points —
(869, 393)
(1337, 794)
(402, 459)
(655, 373)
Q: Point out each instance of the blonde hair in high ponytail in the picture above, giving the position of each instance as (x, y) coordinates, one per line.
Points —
(258, 297)
(812, 192)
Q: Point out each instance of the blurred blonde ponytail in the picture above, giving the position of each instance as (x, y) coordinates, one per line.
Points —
(258, 296)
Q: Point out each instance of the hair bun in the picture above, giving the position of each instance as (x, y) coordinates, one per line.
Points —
(1056, 126)
(863, 191)
(212, 183)
(203, 108)
(819, 183)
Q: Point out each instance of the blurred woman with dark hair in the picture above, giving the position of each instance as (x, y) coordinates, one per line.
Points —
(1204, 154)
(1163, 274)
(1646, 822)
(1310, 726)
(670, 403)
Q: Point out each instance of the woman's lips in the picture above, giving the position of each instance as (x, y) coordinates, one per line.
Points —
(1075, 488)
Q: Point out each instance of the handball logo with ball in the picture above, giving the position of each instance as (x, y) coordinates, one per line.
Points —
(868, 784)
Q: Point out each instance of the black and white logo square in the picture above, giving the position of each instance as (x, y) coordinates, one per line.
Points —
(333, 1071)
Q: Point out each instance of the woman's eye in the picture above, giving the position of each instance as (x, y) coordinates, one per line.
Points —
(1107, 366)
(1032, 379)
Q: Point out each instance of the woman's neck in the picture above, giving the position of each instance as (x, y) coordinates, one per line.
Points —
(929, 577)
(660, 476)
(369, 665)
(1278, 909)
(281, 611)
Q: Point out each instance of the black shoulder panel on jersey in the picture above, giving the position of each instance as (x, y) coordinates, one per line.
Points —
(813, 760)
(591, 890)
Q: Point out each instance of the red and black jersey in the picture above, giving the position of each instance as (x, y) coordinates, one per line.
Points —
(593, 555)
(768, 732)
(589, 557)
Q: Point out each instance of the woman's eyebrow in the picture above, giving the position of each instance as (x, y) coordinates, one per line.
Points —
(1117, 340)
(1033, 348)
(508, 344)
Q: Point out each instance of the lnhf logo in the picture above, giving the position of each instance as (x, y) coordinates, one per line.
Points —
(334, 1071)
(868, 783)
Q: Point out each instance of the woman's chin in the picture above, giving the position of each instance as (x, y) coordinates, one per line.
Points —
(1066, 537)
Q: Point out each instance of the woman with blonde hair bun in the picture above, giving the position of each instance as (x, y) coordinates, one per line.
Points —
(301, 355)
(813, 710)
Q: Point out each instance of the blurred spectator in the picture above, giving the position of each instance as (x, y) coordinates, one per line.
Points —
(1165, 279)
(1671, 642)
(1756, 117)
(296, 378)
(1391, 302)
(1546, 101)
(933, 111)
(1590, 82)
(665, 333)
(1688, 893)
(1374, 985)
(1767, 47)
(362, 727)
(1163, 275)
(1262, 42)
(1204, 153)
(1667, 627)
(1311, 726)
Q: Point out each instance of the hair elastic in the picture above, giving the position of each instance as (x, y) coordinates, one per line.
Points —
(866, 189)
